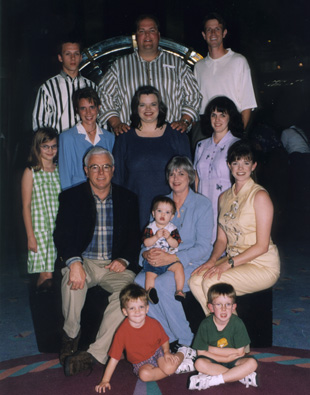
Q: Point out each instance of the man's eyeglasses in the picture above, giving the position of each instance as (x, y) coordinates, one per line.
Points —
(96, 168)
(221, 305)
(47, 147)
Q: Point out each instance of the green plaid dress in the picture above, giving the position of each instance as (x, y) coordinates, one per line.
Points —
(44, 207)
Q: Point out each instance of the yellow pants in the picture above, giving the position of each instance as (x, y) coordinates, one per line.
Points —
(245, 279)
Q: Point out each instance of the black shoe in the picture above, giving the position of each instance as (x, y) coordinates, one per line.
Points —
(180, 295)
(174, 347)
(68, 347)
(152, 296)
(46, 286)
(81, 360)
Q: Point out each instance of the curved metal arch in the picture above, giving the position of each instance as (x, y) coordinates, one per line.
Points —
(97, 58)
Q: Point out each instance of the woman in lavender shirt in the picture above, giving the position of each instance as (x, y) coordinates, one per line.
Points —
(224, 122)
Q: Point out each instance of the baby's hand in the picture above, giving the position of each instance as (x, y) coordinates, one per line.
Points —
(166, 233)
(160, 233)
(102, 386)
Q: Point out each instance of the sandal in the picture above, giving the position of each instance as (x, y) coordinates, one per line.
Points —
(152, 295)
(179, 295)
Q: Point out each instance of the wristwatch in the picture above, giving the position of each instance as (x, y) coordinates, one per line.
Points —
(186, 121)
(231, 262)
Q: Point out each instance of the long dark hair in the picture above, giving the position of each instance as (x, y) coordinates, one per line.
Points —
(147, 90)
(227, 106)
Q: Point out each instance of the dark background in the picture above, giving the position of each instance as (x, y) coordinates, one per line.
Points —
(272, 34)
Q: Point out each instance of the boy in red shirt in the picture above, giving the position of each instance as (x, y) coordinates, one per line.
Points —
(144, 340)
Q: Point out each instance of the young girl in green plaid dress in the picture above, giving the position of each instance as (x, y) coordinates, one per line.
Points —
(40, 190)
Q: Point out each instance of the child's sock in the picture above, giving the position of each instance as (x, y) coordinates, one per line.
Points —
(216, 380)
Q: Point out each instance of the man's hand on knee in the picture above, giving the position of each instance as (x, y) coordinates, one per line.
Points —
(77, 276)
(118, 265)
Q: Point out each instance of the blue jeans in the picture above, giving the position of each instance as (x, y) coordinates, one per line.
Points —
(168, 311)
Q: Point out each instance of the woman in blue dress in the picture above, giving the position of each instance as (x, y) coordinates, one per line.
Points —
(141, 155)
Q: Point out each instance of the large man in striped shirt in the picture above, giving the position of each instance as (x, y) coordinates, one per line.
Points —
(54, 106)
(149, 65)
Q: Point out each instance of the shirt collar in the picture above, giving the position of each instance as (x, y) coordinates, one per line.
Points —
(107, 199)
(227, 136)
(65, 75)
(81, 129)
(160, 52)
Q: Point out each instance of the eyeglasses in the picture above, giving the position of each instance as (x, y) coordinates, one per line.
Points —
(46, 147)
(96, 168)
(221, 305)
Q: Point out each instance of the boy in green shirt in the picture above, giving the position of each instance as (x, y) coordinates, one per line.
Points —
(220, 343)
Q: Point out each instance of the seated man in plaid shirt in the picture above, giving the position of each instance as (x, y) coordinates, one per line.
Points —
(97, 238)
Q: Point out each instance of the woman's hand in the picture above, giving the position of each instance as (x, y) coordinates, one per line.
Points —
(205, 266)
(157, 257)
(217, 269)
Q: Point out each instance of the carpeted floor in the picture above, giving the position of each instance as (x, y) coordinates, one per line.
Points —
(291, 304)
(280, 371)
(24, 370)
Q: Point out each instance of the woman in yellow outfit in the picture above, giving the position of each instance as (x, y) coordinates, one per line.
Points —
(245, 218)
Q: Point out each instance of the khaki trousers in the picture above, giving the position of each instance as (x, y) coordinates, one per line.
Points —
(245, 279)
(73, 302)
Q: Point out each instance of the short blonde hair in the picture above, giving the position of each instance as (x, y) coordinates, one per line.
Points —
(221, 289)
(132, 292)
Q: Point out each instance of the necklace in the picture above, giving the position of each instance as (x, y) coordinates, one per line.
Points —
(91, 131)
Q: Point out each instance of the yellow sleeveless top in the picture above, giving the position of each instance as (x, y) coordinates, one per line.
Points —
(237, 219)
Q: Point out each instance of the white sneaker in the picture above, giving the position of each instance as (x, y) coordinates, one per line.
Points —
(189, 353)
(186, 366)
(199, 382)
(250, 379)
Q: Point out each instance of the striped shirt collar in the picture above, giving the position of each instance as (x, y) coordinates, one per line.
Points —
(160, 53)
(65, 75)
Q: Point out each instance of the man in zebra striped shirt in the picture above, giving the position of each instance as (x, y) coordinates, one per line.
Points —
(54, 106)
(149, 65)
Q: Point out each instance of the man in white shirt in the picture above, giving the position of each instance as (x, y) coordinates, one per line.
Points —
(54, 106)
(224, 72)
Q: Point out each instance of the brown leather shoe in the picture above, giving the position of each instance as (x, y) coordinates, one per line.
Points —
(81, 360)
(68, 347)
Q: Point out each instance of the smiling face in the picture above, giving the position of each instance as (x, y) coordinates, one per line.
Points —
(222, 307)
(148, 108)
(214, 33)
(100, 181)
(179, 181)
(242, 168)
(219, 122)
(48, 150)
(136, 311)
(147, 36)
(70, 58)
(88, 112)
(163, 214)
